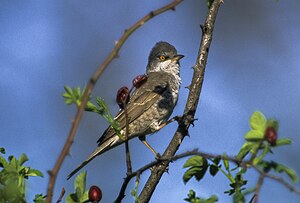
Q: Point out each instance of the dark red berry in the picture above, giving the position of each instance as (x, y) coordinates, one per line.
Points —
(95, 194)
(271, 135)
(123, 96)
(139, 80)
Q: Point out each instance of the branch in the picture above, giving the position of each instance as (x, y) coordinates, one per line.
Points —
(90, 86)
(278, 179)
(191, 105)
(63, 191)
(195, 152)
(258, 187)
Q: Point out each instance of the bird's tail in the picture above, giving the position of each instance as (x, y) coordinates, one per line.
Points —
(99, 150)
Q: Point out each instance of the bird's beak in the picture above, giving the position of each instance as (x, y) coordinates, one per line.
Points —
(177, 57)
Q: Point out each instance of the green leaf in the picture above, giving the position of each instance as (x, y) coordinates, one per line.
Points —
(258, 121)
(198, 167)
(67, 96)
(13, 163)
(3, 162)
(254, 135)
(213, 170)
(290, 172)
(79, 185)
(69, 101)
(35, 172)
(85, 196)
(71, 199)
(2, 150)
(244, 150)
(273, 123)
(190, 173)
(39, 198)
(68, 90)
(217, 160)
(226, 163)
(91, 107)
(76, 93)
(283, 141)
(262, 155)
(194, 161)
(211, 199)
(23, 158)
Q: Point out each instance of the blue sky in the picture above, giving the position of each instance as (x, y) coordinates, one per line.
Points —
(253, 65)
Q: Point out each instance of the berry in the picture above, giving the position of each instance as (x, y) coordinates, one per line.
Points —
(123, 96)
(95, 194)
(139, 80)
(271, 136)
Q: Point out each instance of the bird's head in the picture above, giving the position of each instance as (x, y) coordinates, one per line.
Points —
(164, 57)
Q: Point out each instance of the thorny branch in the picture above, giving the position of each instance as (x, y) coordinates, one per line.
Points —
(191, 105)
(90, 86)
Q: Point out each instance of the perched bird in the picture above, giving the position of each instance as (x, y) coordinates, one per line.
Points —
(150, 105)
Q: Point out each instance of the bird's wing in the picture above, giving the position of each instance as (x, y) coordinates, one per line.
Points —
(139, 103)
(143, 98)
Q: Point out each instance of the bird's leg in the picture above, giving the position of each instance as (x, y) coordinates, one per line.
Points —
(143, 140)
(175, 118)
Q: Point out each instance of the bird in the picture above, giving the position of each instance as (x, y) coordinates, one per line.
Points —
(150, 105)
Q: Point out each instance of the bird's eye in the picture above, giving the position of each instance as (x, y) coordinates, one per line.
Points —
(162, 58)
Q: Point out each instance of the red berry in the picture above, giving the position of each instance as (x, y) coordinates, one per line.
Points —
(95, 194)
(139, 80)
(123, 96)
(271, 135)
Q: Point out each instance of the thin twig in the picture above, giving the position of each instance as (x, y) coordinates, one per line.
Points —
(128, 159)
(278, 179)
(258, 187)
(191, 104)
(113, 54)
(63, 191)
(195, 152)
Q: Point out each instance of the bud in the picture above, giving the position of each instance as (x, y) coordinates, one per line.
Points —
(271, 135)
(139, 80)
(95, 194)
(123, 96)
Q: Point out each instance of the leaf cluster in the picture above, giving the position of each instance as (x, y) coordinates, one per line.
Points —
(81, 194)
(257, 147)
(75, 95)
(13, 176)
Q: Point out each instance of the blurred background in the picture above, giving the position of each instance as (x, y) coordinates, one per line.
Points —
(253, 65)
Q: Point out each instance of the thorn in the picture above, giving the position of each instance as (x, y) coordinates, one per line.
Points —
(167, 170)
(116, 42)
(125, 30)
(69, 154)
(173, 8)
(188, 87)
(177, 118)
(192, 121)
(50, 173)
(202, 28)
(188, 133)
(151, 14)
